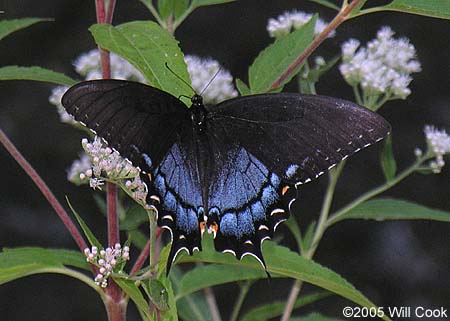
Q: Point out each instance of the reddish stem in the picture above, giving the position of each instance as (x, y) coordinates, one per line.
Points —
(340, 18)
(113, 217)
(110, 11)
(144, 254)
(44, 190)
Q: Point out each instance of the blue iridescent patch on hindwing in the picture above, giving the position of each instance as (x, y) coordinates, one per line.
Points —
(245, 196)
(180, 211)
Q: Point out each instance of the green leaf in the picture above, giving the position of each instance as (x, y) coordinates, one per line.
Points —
(172, 7)
(192, 307)
(309, 235)
(387, 159)
(9, 26)
(198, 3)
(157, 293)
(294, 228)
(34, 73)
(132, 290)
(327, 4)
(171, 314)
(314, 316)
(149, 48)
(20, 262)
(282, 262)
(134, 217)
(242, 87)
(395, 209)
(430, 8)
(275, 309)
(195, 280)
(273, 61)
(86, 230)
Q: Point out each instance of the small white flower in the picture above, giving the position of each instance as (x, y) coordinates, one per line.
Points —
(99, 162)
(77, 171)
(382, 67)
(55, 99)
(106, 261)
(202, 72)
(89, 66)
(289, 20)
(438, 142)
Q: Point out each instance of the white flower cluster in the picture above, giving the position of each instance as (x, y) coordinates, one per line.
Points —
(290, 20)
(202, 72)
(106, 260)
(383, 67)
(55, 99)
(101, 161)
(438, 142)
(88, 65)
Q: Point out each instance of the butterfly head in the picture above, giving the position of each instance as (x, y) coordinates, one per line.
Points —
(198, 112)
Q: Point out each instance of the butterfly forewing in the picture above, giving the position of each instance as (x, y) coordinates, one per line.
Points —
(298, 136)
(132, 117)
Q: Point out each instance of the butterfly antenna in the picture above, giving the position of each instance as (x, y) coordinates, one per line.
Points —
(176, 75)
(212, 79)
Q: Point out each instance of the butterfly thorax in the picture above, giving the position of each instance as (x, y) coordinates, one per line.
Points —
(198, 112)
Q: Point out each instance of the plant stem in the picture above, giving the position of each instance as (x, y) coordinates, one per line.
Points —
(152, 240)
(45, 190)
(293, 294)
(212, 304)
(322, 224)
(340, 18)
(115, 303)
(320, 229)
(113, 217)
(338, 216)
(245, 287)
(110, 10)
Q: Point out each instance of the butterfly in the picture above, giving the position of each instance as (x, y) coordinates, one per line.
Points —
(225, 168)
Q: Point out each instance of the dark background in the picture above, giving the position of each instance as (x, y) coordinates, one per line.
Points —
(400, 263)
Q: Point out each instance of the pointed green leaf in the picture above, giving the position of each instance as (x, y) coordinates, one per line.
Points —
(34, 73)
(195, 280)
(149, 48)
(282, 262)
(242, 87)
(388, 163)
(395, 209)
(20, 262)
(314, 316)
(273, 61)
(132, 290)
(327, 4)
(293, 227)
(9, 26)
(86, 230)
(275, 309)
(192, 307)
(198, 3)
(430, 8)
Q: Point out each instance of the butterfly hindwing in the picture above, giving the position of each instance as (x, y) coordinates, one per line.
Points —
(177, 186)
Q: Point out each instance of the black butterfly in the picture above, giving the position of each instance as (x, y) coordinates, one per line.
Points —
(225, 168)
